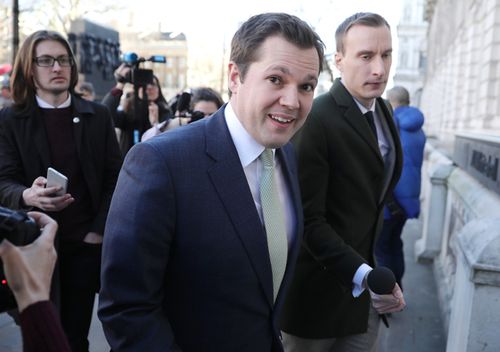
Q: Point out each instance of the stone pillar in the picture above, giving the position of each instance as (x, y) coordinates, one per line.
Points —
(475, 305)
(436, 193)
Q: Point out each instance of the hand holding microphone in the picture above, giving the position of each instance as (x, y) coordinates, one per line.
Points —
(385, 293)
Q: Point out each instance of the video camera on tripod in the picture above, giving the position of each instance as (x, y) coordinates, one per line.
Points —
(20, 230)
(139, 76)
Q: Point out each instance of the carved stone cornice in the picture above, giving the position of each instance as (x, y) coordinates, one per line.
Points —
(430, 5)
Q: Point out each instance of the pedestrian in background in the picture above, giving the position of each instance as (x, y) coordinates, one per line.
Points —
(204, 101)
(86, 90)
(405, 201)
(132, 124)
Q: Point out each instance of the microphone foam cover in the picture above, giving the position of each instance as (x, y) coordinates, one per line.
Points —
(381, 280)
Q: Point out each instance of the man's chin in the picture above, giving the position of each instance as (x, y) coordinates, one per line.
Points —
(59, 91)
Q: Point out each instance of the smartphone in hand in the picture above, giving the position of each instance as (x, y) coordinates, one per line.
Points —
(55, 178)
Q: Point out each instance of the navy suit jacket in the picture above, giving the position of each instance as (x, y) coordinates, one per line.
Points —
(185, 258)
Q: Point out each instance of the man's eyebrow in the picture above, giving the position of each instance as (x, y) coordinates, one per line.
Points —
(281, 68)
(366, 52)
(371, 52)
(285, 70)
(311, 78)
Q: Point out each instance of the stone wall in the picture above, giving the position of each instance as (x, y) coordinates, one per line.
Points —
(461, 234)
(462, 85)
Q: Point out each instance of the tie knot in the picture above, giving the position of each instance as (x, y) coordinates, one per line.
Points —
(267, 158)
(369, 115)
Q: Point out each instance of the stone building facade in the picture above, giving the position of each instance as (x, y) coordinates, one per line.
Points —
(461, 177)
(412, 37)
(462, 83)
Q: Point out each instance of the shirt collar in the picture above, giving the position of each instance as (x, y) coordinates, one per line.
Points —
(248, 148)
(362, 107)
(44, 105)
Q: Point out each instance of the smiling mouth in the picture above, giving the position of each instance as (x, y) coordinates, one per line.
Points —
(279, 119)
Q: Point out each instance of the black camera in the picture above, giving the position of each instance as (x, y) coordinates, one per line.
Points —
(140, 76)
(182, 104)
(20, 230)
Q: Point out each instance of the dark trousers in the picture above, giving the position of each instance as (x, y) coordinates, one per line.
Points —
(79, 268)
(389, 247)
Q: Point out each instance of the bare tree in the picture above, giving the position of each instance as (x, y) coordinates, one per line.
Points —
(58, 14)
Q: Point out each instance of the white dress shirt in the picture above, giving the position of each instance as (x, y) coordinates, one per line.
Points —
(249, 151)
(44, 105)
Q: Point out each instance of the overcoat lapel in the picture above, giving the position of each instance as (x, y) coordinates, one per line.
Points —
(36, 128)
(354, 118)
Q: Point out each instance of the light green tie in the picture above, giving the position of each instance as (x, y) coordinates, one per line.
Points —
(274, 220)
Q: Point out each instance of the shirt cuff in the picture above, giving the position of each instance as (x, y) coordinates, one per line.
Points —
(357, 281)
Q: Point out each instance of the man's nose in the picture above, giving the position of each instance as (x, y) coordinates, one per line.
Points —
(378, 66)
(290, 98)
(56, 66)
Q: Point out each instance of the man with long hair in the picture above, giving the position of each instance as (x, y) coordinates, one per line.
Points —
(49, 126)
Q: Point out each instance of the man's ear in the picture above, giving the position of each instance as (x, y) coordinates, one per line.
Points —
(234, 77)
(338, 61)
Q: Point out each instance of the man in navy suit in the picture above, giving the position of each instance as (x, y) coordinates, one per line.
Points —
(186, 260)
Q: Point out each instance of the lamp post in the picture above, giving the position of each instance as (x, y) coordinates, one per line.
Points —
(15, 29)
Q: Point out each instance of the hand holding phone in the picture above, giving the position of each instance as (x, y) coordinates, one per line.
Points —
(54, 179)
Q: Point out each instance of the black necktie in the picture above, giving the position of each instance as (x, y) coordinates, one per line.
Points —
(371, 122)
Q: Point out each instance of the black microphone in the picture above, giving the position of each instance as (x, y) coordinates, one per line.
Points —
(381, 281)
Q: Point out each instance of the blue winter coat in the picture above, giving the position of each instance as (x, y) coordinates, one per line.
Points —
(407, 192)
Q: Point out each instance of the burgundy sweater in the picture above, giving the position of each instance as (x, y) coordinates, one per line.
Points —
(74, 221)
(42, 330)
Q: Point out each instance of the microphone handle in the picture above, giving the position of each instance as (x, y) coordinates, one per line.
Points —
(384, 320)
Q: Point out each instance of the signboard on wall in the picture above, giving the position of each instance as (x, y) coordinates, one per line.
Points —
(479, 156)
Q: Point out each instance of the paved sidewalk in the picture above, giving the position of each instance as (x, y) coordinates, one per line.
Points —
(418, 328)
(10, 336)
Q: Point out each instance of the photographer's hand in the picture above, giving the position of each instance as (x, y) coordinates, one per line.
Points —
(153, 113)
(29, 269)
(39, 196)
(121, 74)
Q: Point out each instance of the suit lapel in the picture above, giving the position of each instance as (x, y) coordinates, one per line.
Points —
(230, 182)
(293, 187)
